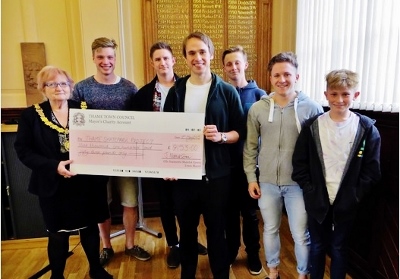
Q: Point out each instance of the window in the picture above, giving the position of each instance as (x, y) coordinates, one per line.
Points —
(359, 35)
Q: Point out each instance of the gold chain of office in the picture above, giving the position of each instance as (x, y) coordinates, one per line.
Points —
(53, 126)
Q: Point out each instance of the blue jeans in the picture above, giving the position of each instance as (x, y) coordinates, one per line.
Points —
(271, 204)
(326, 237)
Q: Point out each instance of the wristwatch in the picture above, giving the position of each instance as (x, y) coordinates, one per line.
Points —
(223, 138)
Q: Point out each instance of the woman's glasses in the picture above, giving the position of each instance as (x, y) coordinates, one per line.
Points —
(55, 84)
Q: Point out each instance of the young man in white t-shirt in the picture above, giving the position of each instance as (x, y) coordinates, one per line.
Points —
(203, 91)
(151, 97)
(336, 163)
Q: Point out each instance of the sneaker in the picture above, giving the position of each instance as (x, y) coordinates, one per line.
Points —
(202, 250)
(254, 265)
(173, 258)
(274, 275)
(105, 256)
(138, 252)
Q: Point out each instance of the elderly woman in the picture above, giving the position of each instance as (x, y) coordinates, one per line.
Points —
(69, 202)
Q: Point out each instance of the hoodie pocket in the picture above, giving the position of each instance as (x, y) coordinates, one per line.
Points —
(308, 187)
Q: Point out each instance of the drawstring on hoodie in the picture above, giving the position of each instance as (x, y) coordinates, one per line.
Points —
(271, 112)
(296, 101)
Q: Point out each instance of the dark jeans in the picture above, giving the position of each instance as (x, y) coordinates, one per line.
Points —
(207, 197)
(326, 237)
(241, 204)
(167, 210)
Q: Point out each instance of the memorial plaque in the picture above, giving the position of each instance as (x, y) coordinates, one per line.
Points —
(172, 27)
(242, 22)
(208, 17)
(227, 22)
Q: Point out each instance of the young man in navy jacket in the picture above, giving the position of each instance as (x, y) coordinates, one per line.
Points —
(203, 91)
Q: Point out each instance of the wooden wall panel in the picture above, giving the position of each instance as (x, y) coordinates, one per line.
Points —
(374, 243)
(227, 22)
(149, 26)
(264, 35)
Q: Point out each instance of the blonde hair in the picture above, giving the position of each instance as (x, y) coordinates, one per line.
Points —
(342, 78)
(49, 72)
(102, 43)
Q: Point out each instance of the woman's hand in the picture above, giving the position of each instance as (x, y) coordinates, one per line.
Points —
(62, 170)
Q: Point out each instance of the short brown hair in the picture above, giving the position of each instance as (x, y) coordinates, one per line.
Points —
(201, 36)
(342, 79)
(160, 45)
(288, 56)
(237, 48)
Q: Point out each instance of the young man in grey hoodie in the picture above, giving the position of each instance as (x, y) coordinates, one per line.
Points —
(273, 125)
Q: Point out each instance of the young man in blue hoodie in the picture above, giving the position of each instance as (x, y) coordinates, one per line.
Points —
(240, 203)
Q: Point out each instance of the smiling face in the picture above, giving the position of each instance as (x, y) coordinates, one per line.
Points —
(198, 57)
(104, 59)
(340, 99)
(341, 91)
(62, 90)
(235, 66)
(283, 78)
(163, 61)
